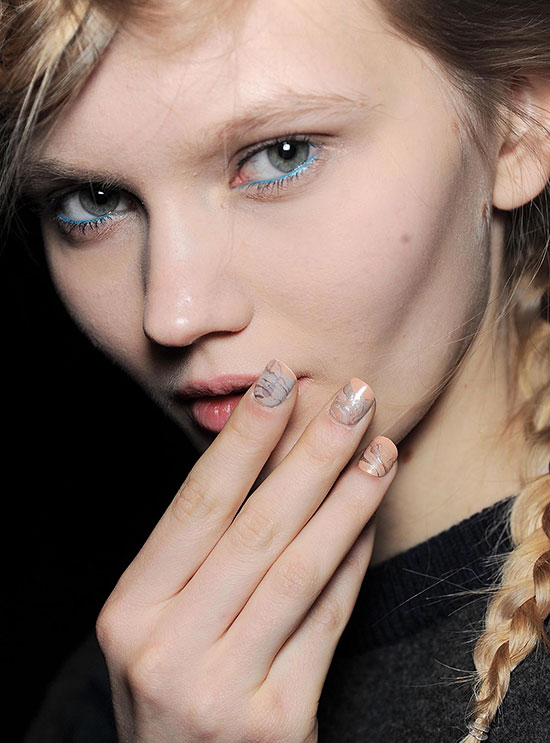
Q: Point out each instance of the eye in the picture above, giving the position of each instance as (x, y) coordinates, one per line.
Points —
(92, 203)
(275, 162)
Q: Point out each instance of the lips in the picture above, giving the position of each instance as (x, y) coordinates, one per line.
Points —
(225, 384)
(213, 413)
(212, 402)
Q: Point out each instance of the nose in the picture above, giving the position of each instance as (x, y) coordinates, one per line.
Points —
(192, 286)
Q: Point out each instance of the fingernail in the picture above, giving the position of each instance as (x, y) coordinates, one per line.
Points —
(274, 384)
(379, 457)
(352, 403)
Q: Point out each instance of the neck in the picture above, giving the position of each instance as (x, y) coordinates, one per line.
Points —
(462, 456)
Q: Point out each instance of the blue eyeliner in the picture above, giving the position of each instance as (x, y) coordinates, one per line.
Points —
(63, 218)
(67, 225)
(292, 173)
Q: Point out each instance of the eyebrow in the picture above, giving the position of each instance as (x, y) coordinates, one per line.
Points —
(46, 174)
(285, 106)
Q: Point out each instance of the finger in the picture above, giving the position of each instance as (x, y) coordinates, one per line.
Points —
(286, 594)
(304, 660)
(213, 490)
(277, 511)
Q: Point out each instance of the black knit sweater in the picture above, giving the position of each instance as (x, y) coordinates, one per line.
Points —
(401, 670)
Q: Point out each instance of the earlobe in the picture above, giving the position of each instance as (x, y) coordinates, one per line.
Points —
(523, 168)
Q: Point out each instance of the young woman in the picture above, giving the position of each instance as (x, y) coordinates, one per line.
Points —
(353, 197)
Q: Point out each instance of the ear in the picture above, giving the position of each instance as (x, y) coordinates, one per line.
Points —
(523, 167)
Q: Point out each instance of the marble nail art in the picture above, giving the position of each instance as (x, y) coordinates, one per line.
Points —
(274, 384)
(378, 457)
(352, 403)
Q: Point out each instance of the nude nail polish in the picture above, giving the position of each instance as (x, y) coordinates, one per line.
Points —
(274, 384)
(379, 457)
(352, 403)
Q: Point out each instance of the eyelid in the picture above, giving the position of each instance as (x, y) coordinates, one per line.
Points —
(53, 197)
(262, 189)
(51, 204)
(123, 195)
(249, 152)
(50, 207)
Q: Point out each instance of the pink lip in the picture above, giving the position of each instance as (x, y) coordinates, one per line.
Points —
(213, 413)
(225, 384)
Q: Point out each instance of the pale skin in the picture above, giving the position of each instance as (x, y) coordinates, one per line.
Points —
(379, 262)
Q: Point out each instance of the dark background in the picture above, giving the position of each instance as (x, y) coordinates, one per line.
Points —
(88, 466)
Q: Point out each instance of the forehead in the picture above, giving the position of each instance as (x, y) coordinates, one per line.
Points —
(167, 27)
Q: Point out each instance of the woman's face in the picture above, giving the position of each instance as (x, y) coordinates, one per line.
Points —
(356, 244)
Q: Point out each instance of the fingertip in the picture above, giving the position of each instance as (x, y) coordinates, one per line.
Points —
(379, 458)
(274, 385)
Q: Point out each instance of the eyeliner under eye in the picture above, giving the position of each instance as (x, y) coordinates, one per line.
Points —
(275, 163)
(88, 207)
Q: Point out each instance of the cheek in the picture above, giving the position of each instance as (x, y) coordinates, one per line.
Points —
(104, 297)
(392, 272)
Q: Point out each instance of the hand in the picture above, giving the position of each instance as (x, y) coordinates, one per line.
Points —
(223, 628)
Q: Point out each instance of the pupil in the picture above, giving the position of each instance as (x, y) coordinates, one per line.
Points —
(99, 196)
(289, 155)
(99, 201)
(287, 151)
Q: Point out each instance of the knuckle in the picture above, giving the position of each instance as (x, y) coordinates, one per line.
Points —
(318, 451)
(274, 717)
(329, 613)
(246, 432)
(108, 628)
(357, 560)
(253, 530)
(267, 722)
(155, 682)
(265, 728)
(205, 713)
(104, 630)
(147, 675)
(192, 501)
(293, 578)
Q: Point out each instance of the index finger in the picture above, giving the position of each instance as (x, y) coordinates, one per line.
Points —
(213, 490)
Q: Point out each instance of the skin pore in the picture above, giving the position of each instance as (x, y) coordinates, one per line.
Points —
(374, 259)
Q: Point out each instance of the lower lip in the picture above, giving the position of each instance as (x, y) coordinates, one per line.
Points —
(213, 413)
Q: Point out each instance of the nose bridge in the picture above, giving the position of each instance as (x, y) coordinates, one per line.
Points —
(191, 282)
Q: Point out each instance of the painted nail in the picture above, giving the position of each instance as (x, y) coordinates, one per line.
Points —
(379, 457)
(352, 403)
(274, 384)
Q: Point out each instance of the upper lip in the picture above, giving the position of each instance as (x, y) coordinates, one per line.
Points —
(225, 384)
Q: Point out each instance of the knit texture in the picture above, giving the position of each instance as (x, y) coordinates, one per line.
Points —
(402, 670)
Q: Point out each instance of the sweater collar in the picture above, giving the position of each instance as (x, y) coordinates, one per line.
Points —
(429, 581)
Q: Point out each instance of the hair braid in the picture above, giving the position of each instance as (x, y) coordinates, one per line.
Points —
(516, 615)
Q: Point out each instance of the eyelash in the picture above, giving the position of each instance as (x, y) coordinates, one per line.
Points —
(51, 208)
(261, 188)
(269, 185)
(68, 226)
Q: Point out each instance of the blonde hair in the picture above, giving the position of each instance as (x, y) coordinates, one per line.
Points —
(49, 49)
(46, 52)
